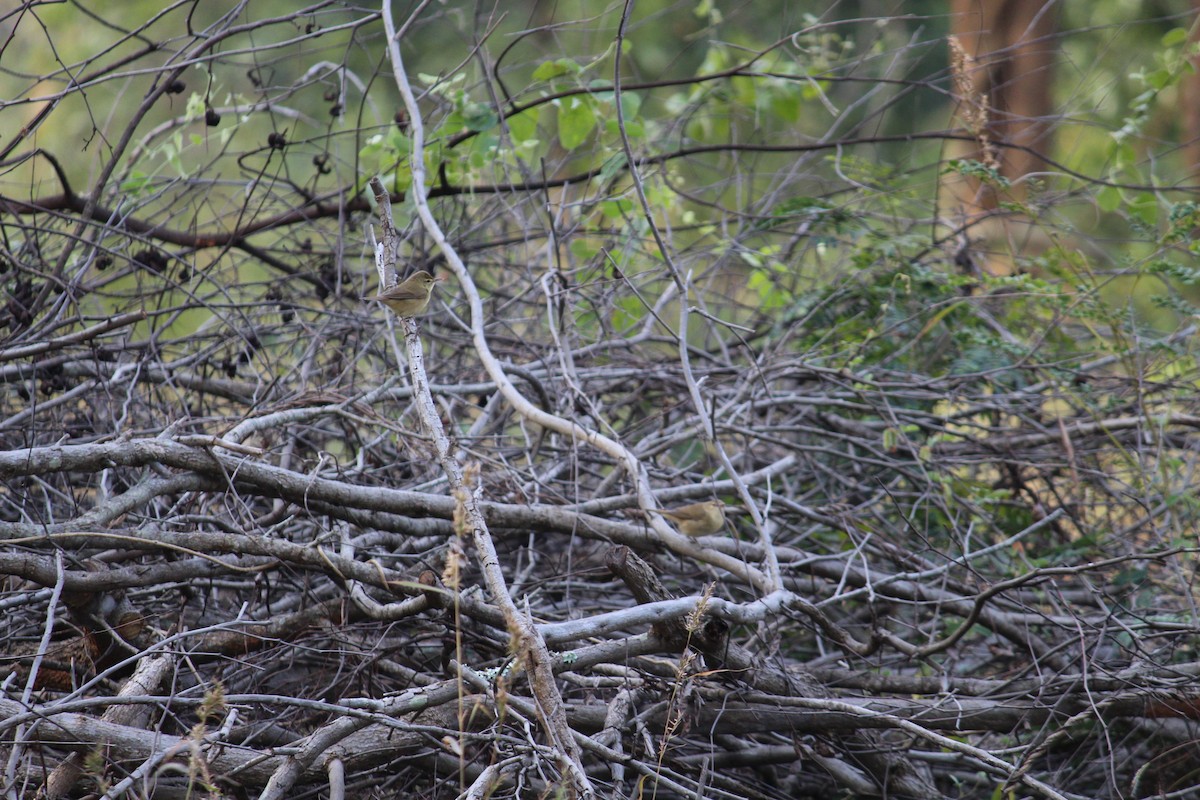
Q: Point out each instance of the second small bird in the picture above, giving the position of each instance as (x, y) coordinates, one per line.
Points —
(410, 296)
(697, 519)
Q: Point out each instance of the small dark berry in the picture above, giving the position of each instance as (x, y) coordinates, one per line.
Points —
(151, 259)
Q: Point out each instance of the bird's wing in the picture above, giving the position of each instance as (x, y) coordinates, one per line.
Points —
(401, 292)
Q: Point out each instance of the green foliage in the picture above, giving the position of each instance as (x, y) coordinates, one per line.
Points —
(820, 215)
(386, 154)
(985, 174)
(576, 119)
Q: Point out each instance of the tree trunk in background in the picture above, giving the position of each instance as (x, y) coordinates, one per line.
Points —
(1190, 90)
(1005, 79)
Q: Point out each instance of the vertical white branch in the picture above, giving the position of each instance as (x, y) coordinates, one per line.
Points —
(519, 402)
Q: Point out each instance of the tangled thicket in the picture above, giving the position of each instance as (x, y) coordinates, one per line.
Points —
(966, 559)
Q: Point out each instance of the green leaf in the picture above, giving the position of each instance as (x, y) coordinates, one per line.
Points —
(135, 183)
(616, 209)
(398, 142)
(552, 69)
(195, 106)
(750, 258)
(1174, 36)
(634, 129)
(770, 297)
(1109, 199)
(627, 312)
(478, 117)
(613, 165)
(1160, 79)
(576, 119)
(584, 249)
(523, 127)
(631, 104)
(1145, 207)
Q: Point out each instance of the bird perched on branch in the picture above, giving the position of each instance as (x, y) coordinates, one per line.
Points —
(409, 297)
(697, 519)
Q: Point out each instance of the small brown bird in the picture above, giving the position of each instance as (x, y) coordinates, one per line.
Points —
(409, 297)
(697, 519)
